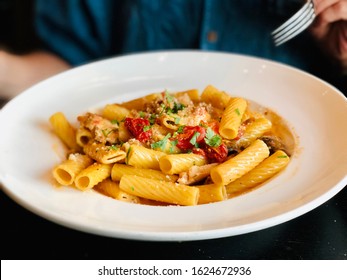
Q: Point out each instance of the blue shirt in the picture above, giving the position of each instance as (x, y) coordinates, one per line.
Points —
(81, 31)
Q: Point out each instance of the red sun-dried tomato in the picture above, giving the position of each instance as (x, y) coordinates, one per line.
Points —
(199, 151)
(184, 139)
(139, 128)
(214, 125)
(216, 154)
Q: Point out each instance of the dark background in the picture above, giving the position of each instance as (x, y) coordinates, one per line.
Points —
(17, 33)
(16, 26)
(319, 234)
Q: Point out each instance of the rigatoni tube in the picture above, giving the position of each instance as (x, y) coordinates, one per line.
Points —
(66, 172)
(264, 171)
(159, 190)
(177, 163)
(232, 117)
(239, 165)
(92, 176)
(119, 170)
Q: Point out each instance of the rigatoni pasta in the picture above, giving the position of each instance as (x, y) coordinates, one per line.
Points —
(239, 165)
(175, 164)
(115, 112)
(160, 190)
(173, 148)
(254, 131)
(111, 189)
(66, 172)
(118, 170)
(83, 136)
(211, 193)
(231, 117)
(104, 153)
(216, 97)
(64, 130)
(265, 170)
(141, 157)
(92, 175)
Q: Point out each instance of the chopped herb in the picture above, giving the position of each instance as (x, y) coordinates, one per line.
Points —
(212, 139)
(169, 111)
(283, 156)
(177, 107)
(146, 128)
(152, 119)
(162, 105)
(194, 138)
(180, 129)
(168, 96)
(209, 133)
(114, 147)
(115, 122)
(177, 120)
(132, 188)
(237, 111)
(127, 156)
(161, 144)
(174, 142)
(106, 132)
(142, 114)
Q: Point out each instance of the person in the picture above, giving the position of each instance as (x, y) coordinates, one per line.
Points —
(76, 32)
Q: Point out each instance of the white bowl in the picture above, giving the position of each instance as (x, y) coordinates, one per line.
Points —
(314, 109)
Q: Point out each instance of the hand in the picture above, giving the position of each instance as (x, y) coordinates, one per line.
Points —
(330, 29)
(18, 72)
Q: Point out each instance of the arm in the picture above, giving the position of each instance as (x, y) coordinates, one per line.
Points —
(330, 29)
(18, 72)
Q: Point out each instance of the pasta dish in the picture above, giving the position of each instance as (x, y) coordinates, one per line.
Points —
(173, 148)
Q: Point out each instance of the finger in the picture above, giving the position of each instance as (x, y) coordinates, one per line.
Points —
(334, 13)
(338, 42)
(342, 33)
(321, 5)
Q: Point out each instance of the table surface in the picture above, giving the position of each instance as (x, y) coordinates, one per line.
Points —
(318, 234)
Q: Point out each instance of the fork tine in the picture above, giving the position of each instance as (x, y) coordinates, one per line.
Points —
(292, 32)
(296, 17)
(294, 25)
(307, 13)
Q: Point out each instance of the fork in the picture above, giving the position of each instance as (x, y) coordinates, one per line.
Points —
(294, 25)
